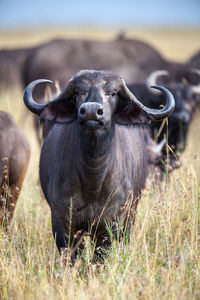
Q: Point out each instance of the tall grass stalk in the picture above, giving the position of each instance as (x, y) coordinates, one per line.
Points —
(161, 260)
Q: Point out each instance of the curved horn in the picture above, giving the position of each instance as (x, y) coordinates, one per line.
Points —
(196, 88)
(33, 106)
(158, 147)
(152, 80)
(154, 114)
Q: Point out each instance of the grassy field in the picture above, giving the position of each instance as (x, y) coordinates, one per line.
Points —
(162, 260)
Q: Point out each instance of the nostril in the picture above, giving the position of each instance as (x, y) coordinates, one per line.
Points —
(82, 111)
(100, 112)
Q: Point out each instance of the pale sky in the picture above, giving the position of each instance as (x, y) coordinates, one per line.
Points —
(118, 13)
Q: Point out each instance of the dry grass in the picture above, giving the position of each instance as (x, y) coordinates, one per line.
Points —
(162, 260)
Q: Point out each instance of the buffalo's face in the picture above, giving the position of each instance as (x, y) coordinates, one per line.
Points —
(181, 117)
(184, 103)
(96, 99)
(184, 85)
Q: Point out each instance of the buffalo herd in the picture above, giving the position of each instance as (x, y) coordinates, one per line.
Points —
(101, 131)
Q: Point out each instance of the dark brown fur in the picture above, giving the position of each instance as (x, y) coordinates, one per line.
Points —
(95, 190)
(60, 59)
(14, 159)
(12, 67)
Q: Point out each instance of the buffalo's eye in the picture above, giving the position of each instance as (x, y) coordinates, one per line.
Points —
(113, 94)
(80, 93)
(76, 93)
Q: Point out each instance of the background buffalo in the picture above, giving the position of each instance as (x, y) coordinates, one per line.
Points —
(12, 66)
(14, 159)
(179, 80)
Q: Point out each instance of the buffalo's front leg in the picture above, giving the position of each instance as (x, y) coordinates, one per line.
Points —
(102, 240)
(67, 240)
(61, 232)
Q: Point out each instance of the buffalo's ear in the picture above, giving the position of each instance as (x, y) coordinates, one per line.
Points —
(131, 115)
(59, 111)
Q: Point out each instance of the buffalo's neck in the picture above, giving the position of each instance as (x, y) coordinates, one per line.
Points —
(95, 145)
(95, 160)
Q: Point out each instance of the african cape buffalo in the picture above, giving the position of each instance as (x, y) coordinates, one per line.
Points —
(14, 159)
(20, 66)
(93, 162)
(59, 59)
(179, 81)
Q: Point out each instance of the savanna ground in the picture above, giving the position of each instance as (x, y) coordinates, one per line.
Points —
(162, 260)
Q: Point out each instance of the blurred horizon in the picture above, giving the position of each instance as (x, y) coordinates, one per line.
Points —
(19, 14)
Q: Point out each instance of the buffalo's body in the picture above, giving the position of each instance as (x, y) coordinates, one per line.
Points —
(93, 162)
(12, 66)
(60, 59)
(86, 192)
(14, 159)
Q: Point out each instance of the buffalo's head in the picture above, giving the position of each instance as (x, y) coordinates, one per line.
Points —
(96, 99)
(183, 84)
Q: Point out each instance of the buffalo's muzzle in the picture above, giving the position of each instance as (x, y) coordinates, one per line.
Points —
(91, 113)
